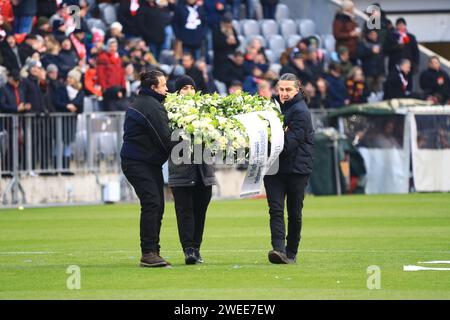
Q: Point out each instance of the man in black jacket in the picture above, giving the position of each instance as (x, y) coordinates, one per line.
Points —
(146, 146)
(435, 82)
(295, 166)
(397, 85)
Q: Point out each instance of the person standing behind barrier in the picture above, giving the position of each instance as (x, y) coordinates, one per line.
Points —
(295, 166)
(191, 187)
(146, 146)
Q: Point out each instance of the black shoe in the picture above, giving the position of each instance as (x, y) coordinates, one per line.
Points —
(278, 257)
(189, 256)
(198, 256)
(153, 260)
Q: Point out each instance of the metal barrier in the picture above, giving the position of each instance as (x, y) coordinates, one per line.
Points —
(66, 144)
(58, 144)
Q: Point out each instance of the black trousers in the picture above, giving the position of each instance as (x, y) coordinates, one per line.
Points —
(292, 188)
(148, 183)
(191, 204)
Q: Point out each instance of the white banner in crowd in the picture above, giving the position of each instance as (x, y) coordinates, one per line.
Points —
(259, 162)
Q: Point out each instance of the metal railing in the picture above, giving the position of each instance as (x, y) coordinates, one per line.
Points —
(58, 144)
(65, 144)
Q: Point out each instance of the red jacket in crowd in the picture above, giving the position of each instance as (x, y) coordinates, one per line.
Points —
(110, 72)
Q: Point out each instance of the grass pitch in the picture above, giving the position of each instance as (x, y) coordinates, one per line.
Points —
(341, 238)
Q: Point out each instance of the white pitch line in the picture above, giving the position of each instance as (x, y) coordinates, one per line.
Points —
(437, 262)
(419, 268)
(25, 252)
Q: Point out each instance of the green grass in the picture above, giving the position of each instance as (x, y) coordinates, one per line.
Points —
(341, 237)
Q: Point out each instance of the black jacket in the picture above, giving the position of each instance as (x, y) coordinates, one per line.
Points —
(394, 88)
(157, 17)
(430, 84)
(188, 175)
(372, 63)
(297, 154)
(397, 52)
(146, 136)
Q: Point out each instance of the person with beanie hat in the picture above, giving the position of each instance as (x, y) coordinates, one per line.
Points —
(191, 186)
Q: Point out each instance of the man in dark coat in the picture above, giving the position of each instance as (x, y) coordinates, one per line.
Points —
(189, 25)
(397, 85)
(225, 42)
(146, 147)
(371, 55)
(435, 82)
(154, 36)
(295, 166)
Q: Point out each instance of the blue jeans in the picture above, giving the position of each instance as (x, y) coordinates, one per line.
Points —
(269, 11)
(23, 24)
(169, 38)
(236, 9)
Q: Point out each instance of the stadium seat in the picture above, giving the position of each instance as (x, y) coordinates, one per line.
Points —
(276, 67)
(242, 43)
(270, 56)
(108, 13)
(288, 27)
(237, 26)
(96, 23)
(250, 28)
(278, 46)
(307, 27)
(282, 12)
(261, 38)
(292, 40)
(269, 28)
(329, 42)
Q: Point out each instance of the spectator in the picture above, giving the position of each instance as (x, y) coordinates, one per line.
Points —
(53, 84)
(322, 93)
(343, 59)
(77, 39)
(132, 80)
(397, 84)
(337, 91)
(372, 60)
(225, 41)
(235, 87)
(265, 89)
(70, 98)
(68, 58)
(189, 25)
(154, 36)
(214, 10)
(269, 8)
(315, 62)
(34, 83)
(210, 86)
(91, 83)
(13, 96)
(191, 70)
(356, 87)
(13, 56)
(251, 82)
(234, 69)
(345, 29)
(298, 67)
(59, 29)
(110, 72)
(400, 44)
(115, 31)
(46, 8)
(385, 24)
(43, 27)
(126, 15)
(435, 82)
(7, 13)
(236, 8)
(386, 138)
(314, 98)
(24, 13)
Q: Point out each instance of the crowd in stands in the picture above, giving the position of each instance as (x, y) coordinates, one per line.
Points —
(55, 57)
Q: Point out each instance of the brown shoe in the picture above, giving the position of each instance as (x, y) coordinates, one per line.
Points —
(153, 260)
(278, 257)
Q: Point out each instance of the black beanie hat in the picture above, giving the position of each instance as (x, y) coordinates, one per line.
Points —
(183, 81)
